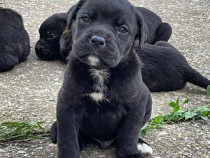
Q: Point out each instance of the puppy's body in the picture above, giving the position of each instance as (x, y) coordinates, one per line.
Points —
(14, 40)
(103, 96)
(47, 47)
(155, 29)
(166, 69)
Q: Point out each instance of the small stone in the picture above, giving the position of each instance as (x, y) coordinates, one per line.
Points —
(21, 152)
(189, 140)
(39, 148)
(2, 151)
(163, 133)
(51, 144)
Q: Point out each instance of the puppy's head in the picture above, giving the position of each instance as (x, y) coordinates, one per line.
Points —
(104, 31)
(47, 47)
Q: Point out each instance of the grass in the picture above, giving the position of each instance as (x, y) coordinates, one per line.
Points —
(10, 131)
(23, 131)
(208, 92)
(177, 115)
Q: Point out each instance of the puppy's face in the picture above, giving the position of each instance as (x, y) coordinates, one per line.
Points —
(104, 32)
(47, 47)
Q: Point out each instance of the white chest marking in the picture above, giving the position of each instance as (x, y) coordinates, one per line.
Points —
(93, 60)
(96, 96)
(100, 78)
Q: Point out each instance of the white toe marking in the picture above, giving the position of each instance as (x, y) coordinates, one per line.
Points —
(139, 147)
(93, 60)
(144, 148)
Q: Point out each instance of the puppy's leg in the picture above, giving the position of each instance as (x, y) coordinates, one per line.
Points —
(163, 44)
(163, 32)
(7, 62)
(53, 133)
(196, 78)
(144, 147)
(70, 112)
(68, 145)
(83, 139)
(128, 133)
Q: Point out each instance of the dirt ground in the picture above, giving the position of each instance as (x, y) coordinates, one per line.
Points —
(29, 91)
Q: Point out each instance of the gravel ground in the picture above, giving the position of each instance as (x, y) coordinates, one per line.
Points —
(29, 91)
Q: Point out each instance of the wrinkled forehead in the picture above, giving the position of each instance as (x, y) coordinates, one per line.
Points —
(52, 23)
(110, 9)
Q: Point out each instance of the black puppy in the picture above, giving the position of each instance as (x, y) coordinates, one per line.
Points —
(166, 69)
(14, 40)
(103, 96)
(47, 47)
(155, 30)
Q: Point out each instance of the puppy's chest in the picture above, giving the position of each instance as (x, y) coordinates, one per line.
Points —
(99, 88)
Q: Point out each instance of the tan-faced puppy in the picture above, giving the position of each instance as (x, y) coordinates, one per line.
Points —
(14, 40)
(103, 97)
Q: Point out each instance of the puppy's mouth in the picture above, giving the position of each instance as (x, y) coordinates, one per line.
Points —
(93, 61)
(95, 56)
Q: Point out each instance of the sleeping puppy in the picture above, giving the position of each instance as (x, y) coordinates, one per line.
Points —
(14, 40)
(155, 30)
(166, 69)
(47, 47)
(103, 96)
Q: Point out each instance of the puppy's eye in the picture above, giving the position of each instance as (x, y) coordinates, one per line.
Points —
(52, 36)
(85, 19)
(122, 30)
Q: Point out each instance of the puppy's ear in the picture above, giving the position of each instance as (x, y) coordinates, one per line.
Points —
(72, 13)
(63, 17)
(141, 29)
(65, 44)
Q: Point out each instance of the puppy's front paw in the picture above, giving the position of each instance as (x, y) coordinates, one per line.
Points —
(144, 148)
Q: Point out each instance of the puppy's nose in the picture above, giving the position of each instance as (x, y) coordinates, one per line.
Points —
(38, 46)
(99, 40)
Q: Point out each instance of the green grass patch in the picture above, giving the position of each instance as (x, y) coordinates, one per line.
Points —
(177, 115)
(20, 131)
(208, 92)
(10, 131)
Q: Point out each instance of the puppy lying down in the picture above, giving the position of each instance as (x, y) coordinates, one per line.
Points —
(14, 40)
(166, 69)
(47, 47)
(103, 96)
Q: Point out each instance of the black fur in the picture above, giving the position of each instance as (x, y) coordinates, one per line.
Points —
(47, 47)
(166, 69)
(154, 31)
(14, 40)
(103, 46)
